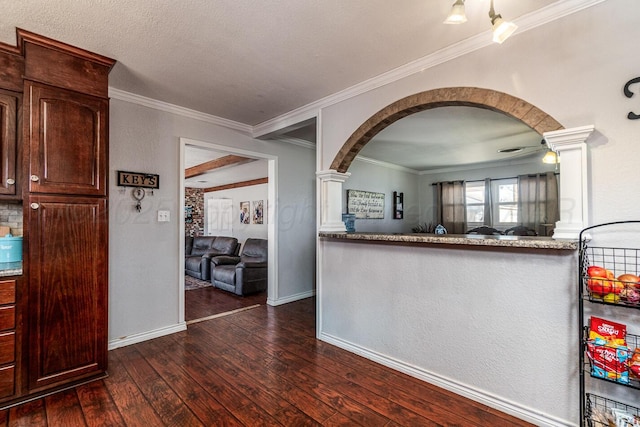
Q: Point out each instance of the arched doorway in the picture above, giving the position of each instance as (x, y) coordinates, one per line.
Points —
(489, 99)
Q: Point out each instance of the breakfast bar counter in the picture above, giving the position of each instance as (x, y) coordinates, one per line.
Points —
(531, 242)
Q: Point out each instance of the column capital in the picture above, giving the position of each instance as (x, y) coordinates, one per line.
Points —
(561, 139)
(574, 194)
(333, 175)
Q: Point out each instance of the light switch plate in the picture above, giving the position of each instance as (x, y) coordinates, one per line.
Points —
(164, 216)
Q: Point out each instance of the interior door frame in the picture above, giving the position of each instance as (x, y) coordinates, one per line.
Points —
(272, 212)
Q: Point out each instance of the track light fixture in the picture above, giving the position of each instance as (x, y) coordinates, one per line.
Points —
(457, 15)
(501, 29)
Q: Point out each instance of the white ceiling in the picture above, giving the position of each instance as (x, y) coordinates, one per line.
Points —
(453, 137)
(250, 61)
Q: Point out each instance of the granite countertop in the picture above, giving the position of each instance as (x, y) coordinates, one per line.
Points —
(532, 242)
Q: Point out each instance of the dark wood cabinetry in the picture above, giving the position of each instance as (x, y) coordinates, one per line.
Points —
(67, 289)
(10, 114)
(54, 116)
(67, 142)
(8, 343)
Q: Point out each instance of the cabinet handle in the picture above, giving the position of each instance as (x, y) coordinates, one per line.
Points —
(34, 205)
(11, 181)
(35, 178)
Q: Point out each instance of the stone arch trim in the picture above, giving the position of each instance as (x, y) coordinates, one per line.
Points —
(489, 99)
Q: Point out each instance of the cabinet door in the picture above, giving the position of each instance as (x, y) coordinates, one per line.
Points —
(8, 142)
(67, 142)
(67, 306)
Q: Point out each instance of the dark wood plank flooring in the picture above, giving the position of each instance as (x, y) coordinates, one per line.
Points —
(204, 302)
(261, 366)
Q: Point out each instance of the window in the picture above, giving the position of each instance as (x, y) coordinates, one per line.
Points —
(474, 203)
(501, 202)
(505, 195)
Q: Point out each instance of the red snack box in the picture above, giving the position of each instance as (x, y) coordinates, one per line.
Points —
(606, 332)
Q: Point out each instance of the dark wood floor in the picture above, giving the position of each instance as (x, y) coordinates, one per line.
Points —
(204, 302)
(261, 366)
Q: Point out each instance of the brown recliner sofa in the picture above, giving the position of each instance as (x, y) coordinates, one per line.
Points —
(199, 250)
(244, 274)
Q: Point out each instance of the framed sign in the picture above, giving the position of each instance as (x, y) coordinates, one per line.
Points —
(365, 204)
(138, 179)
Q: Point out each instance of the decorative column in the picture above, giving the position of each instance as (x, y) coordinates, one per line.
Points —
(331, 200)
(571, 146)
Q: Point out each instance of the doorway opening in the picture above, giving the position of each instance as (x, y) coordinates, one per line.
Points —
(227, 301)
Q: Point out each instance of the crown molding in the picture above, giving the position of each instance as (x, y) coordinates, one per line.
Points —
(486, 165)
(297, 141)
(526, 22)
(176, 109)
(386, 164)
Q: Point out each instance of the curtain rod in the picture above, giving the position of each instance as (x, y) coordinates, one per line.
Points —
(492, 179)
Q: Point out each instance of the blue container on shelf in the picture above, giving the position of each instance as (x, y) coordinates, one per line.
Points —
(10, 249)
(349, 222)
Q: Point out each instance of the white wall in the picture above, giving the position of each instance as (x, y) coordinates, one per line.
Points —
(382, 179)
(144, 256)
(399, 303)
(237, 195)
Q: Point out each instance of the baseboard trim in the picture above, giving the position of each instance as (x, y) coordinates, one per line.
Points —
(291, 298)
(508, 407)
(144, 336)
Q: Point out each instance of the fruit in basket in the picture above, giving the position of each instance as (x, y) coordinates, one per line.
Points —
(617, 286)
(599, 285)
(611, 298)
(596, 271)
(630, 296)
(630, 280)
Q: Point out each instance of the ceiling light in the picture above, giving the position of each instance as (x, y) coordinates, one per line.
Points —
(501, 29)
(551, 157)
(457, 15)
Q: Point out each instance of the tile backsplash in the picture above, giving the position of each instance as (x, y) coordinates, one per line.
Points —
(11, 216)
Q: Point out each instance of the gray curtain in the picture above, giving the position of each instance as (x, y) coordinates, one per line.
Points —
(538, 202)
(450, 206)
(488, 203)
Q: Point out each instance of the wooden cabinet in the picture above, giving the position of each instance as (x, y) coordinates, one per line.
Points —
(53, 320)
(10, 122)
(67, 142)
(66, 150)
(8, 343)
(67, 288)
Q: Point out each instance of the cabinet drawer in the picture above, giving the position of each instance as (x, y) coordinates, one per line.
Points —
(7, 317)
(7, 347)
(7, 381)
(7, 291)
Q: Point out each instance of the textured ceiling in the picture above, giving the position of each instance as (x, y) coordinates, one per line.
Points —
(245, 60)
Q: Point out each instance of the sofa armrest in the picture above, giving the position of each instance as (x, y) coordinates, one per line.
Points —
(213, 254)
(252, 264)
(225, 260)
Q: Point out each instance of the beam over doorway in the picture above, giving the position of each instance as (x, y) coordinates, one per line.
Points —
(230, 160)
